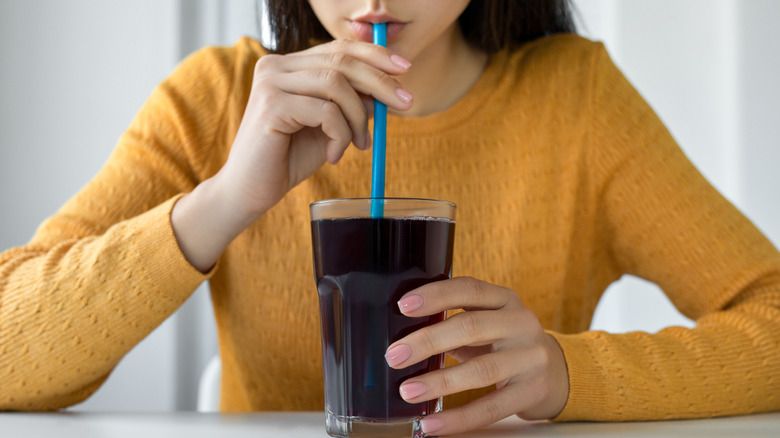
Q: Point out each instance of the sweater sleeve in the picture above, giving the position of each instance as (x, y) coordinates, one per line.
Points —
(106, 269)
(667, 224)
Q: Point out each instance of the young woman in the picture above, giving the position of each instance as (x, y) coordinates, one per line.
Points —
(564, 178)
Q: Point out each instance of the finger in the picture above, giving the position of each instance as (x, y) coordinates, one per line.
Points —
(474, 328)
(362, 76)
(333, 86)
(478, 372)
(377, 56)
(305, 111)
(479, 413)
(535, 378)
(459, 292)
(368, 80)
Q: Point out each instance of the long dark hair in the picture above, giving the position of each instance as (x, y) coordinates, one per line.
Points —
(489, 25)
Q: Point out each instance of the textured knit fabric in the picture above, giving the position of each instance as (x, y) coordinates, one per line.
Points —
(564, 178)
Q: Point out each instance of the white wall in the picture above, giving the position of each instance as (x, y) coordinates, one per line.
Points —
(72, 75)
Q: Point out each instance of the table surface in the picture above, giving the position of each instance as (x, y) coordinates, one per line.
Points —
(312, 424)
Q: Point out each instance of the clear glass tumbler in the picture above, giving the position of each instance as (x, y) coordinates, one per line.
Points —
(363, 265)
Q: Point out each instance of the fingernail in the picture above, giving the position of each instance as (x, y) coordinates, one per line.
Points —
(404, 95)
(398, 354)
(431, 425)
(412, 390)
(399, 61)
(367, 144)
(410, 303)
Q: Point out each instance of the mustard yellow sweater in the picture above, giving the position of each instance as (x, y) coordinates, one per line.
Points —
(564, 178)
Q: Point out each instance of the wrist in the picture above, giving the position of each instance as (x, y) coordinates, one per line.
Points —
(205, 221)
(559, 394)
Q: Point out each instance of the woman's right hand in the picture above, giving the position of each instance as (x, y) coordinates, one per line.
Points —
(304, 109)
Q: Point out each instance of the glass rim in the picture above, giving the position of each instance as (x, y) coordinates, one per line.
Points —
(338, 200)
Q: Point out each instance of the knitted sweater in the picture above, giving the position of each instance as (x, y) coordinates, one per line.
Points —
(564, 178)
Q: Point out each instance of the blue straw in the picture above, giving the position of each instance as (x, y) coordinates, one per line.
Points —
(380, 138)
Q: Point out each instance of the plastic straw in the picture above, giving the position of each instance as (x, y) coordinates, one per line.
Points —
(380, 138)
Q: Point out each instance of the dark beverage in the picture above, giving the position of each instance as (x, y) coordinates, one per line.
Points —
(363, 266)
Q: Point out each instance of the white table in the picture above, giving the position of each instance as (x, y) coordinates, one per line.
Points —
(311, 424)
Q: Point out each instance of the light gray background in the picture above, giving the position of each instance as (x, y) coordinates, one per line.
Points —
(73, 74)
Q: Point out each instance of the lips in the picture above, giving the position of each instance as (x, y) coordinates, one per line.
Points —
(363, 29)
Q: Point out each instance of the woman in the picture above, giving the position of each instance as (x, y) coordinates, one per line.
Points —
(564, 178)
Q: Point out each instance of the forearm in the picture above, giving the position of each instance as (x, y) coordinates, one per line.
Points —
(727, 365)
(68, 314)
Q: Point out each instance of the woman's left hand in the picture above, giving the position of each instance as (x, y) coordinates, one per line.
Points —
(497, 340)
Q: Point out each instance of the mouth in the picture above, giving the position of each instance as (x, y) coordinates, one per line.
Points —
(363, 28)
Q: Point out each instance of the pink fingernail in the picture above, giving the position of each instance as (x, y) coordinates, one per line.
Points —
(398, 354)
(400, 61)
(404, 95)
(431, 425)
(412, 390)
(410, 303)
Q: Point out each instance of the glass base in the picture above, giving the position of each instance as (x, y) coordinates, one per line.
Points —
(357, 427)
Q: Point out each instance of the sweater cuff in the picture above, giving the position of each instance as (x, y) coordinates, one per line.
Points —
(586, 379)
(167, 260)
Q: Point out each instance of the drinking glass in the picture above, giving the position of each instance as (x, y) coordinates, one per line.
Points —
(363, 265)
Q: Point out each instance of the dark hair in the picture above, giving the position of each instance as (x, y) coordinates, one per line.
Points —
(489, 25)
